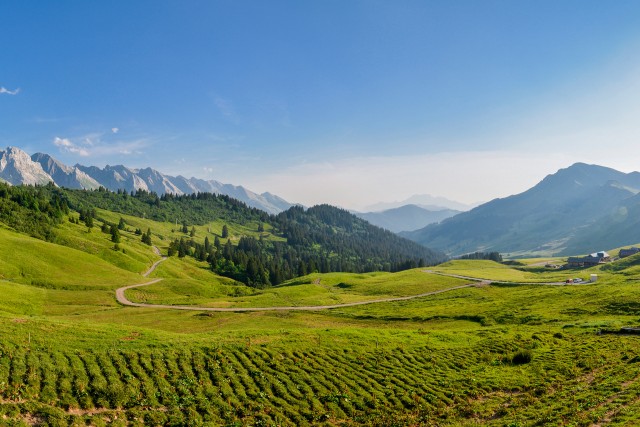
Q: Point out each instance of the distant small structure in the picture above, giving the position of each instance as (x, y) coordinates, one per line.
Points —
(594, 278)
(589, 260)
(628, 252)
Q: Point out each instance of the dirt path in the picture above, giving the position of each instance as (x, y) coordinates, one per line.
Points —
(122, 299)
(154, 266)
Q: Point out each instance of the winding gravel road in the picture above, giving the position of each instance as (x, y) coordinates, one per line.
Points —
(122, 299)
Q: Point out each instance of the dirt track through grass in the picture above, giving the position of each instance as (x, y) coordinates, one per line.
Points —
(122, 299)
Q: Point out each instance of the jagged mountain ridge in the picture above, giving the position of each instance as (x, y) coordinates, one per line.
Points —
(406, 218)
(564, 213)
(63, 175)
(17, 167)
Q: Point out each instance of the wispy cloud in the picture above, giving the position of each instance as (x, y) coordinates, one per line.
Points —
(66, 145)
(115, 130)
(9, 92)
(94, 145)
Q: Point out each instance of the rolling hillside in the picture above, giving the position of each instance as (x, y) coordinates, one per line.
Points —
(576, 210)
(495, 355)
(277, 248)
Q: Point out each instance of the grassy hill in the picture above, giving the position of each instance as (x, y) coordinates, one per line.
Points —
(241, 243)
(514, 354)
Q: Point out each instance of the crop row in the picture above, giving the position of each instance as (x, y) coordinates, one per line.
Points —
(261, 385)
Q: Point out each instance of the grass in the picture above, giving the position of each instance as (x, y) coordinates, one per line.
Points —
(165, 232)
(503, 355)
(494, 271)
(203, 288)
(34, 262)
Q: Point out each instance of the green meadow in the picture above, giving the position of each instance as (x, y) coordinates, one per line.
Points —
(504, 354)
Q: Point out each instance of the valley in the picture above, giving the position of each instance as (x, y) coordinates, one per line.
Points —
(464, 342)
(319, 214)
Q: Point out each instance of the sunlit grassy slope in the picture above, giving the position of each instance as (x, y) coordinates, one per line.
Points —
(47, 265)
(164, 232)
(503, 355)
(313, 290)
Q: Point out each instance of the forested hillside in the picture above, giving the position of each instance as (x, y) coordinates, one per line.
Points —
(33, 210)
(298, 241)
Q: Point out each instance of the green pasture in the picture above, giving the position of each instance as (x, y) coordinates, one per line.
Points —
(520, 354)
(162, 233)
(46, 265)
(493, 271)
(205, 289)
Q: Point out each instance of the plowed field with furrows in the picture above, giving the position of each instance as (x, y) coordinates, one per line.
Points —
(259, 385)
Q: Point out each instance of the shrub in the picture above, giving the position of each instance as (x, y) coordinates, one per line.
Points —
(522, 357)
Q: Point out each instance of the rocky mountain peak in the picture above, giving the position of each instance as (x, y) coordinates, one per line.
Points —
(16, 167)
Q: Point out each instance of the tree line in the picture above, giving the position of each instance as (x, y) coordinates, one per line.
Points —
(492, 256)
(319, 239)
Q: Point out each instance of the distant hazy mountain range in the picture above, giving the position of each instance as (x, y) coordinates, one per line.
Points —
(17, 167)
(580, 209)
(407, 217)
(426, 201)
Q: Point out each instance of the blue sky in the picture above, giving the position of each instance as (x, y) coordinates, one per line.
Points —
(345, 102)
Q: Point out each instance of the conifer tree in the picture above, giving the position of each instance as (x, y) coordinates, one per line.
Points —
(146, 237)
(115, 234)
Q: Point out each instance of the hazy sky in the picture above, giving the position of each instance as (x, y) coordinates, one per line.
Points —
(338, 101)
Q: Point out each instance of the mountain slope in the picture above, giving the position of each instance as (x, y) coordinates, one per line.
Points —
(406, 218)
(619, 227)
(63, 175)
(122, 178)
(544, 218)
(338, 231)
(16, 167)
(269, 203)
(263, 250)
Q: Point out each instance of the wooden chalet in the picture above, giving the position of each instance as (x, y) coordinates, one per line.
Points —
(589, 260)
(628, 252)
